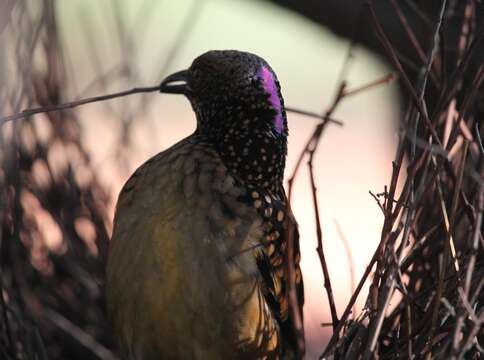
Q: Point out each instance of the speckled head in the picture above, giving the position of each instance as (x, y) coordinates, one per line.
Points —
(240, 110)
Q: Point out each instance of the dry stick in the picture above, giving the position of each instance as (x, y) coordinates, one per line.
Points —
(406, 82)
(377, 321)
(83, 338)
(408, 30)
(385, 235)
(69, 105)
(412, 37)
(479, 140)
(446, 222)
(383, 305)
(440, 285)
(327, 118)
(312, 143)
(467, 101)
(390, 218)
(470, 268)
(472, 334)
(353, 298)
(318, 130)
(73, 104)
(381, 81)
(349, 255)
(385, 294)
(475, 241)
(466, 104)
(455, 79)
(377, 201)
(319, 249)
(310, 148)
(409, 330)
(419, 12)
(314, 115)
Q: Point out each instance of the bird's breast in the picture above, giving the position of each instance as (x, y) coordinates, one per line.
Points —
(182, 261)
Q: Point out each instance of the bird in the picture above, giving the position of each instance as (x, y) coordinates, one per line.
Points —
(197, 263)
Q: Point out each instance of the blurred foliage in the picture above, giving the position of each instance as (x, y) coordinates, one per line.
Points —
(53, 214)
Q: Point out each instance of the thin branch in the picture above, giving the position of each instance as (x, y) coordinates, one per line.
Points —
(472, 262)
(406, 82)
(319, 249)
(447, 247)
(385, 80)
(352, 301)
(377, 201)
(69, 105)
(314, 115)
(408, 30)
(349, 255)
(79, 335)
(419, 12)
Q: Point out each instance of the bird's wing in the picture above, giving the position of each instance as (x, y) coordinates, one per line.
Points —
(272, 261)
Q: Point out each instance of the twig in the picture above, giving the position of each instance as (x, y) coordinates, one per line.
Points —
(406, 82)
(377, 201)
(83, 338)
(472, 262)
(452, 87)
(447, 246)
(313, 140)
(353, 298)
(472, 334)
(387, 79)
(69, 105)
(479, 140)
(319, 249)
(408, 30)
(311, 147)
(419, 12)
(314, 115)
(446, 221)
(349, 255)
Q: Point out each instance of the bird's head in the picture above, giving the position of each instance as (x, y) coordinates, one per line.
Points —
(240, 110)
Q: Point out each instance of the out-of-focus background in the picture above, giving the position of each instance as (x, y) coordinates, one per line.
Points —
(64, 174)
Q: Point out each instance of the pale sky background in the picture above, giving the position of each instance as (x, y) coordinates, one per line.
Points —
(307, 59)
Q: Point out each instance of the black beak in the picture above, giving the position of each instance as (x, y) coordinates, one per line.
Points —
(176, 83)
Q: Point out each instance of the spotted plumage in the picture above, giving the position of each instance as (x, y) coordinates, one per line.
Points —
(197, 265)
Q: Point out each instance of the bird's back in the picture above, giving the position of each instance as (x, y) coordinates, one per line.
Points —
(183, 280)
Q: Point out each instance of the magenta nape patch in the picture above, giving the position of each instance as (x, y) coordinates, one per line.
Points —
(269, 84)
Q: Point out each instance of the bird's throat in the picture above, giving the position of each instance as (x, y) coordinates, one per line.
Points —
(254, 153)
